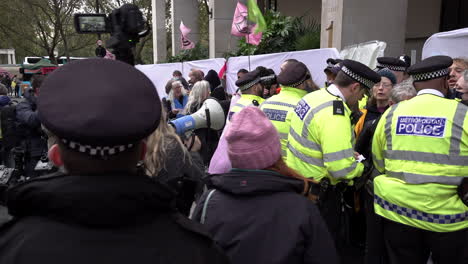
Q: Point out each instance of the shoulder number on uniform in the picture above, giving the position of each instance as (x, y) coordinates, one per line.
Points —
(301, 109)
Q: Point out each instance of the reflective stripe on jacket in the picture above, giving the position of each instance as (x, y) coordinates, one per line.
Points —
(279, 109)
(244, 101)
(320, 144)
(422, 147)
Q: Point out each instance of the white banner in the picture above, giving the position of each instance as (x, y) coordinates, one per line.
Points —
(314, 59)
(451, 43)
(366, 53)
(160, 74)
(204, 65)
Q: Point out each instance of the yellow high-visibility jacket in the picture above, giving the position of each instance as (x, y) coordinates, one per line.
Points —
(320, 143)
(279, 109)
(421, 146)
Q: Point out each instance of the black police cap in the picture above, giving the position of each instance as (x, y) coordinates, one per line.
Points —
(294, 74)
(360, 73)
(394, 64)
(332, 62)
(99, 107)
(431, 68)
(248, 80)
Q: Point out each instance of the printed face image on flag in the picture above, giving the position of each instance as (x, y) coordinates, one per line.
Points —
(184, 41)
(240, 24)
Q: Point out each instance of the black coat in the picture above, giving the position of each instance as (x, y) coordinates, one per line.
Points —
(100, 219)
(364, 142)
(209, 139)
(29, 125)
(260, 217)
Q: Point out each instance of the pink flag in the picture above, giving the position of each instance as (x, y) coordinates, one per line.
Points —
(109, 55)
(240, 25)
(253, 38)
(184, 41)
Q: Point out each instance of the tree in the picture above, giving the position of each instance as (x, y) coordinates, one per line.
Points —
(42, 26)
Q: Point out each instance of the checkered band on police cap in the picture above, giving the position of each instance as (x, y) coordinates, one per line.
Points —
(97, 151)
(249, 84)
(426, 76)
(391, 67)
(267, 78)
(368, 83)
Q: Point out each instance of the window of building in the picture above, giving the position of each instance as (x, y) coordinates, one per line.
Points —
(454, 15)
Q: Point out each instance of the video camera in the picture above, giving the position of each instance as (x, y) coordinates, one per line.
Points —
(125, 24)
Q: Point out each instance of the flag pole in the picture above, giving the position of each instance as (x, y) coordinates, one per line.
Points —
(249, 52)
(248, 40)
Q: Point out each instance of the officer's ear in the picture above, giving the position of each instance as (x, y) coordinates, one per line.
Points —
(55, 156)
(354, 88)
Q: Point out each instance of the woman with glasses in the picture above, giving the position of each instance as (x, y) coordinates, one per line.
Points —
(365, 128)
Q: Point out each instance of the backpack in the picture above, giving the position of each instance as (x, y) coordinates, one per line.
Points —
(10, 137)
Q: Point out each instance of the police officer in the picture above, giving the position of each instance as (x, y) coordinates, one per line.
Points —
(332, 69)
(421, 146)
(251, 90)
(279, 108)
(101, 210)
(320, 141)
(397, 65)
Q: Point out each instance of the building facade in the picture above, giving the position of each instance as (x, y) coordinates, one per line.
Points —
(7, 56)
(403, 24)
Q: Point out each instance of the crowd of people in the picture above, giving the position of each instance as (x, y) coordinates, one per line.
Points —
(370, 168)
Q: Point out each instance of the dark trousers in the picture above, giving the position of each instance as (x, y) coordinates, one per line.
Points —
(331, 211)
(406, 244)
(375, 244)
(337, 217)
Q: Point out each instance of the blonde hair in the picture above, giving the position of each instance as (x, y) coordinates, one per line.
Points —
(162, 139)
(170, 96)
(197, 96)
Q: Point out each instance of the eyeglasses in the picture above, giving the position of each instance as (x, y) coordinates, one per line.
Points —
(384, 85)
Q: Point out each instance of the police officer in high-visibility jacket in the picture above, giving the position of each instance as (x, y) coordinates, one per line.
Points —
(320, 141)
(422, 147)
(279, 108)
(251, 90)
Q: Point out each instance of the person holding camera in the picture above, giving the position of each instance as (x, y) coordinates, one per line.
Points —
(32, 139)
(102, 209)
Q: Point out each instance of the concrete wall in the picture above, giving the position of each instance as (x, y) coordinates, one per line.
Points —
(159, 31)
(421, 23)
(187, 11)
(365, 20)
(332, 14)
(312, 9)
(220, 38)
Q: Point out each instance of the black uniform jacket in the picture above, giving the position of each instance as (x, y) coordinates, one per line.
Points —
(261, 217)
(100, 219)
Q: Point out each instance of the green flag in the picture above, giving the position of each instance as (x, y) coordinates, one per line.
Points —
(255, 15)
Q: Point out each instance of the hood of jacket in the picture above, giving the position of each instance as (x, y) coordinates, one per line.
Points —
(30, 97)
(4, 100)
(255, 182)
(98, 200)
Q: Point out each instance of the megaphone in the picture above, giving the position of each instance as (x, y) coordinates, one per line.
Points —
(210, 115)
